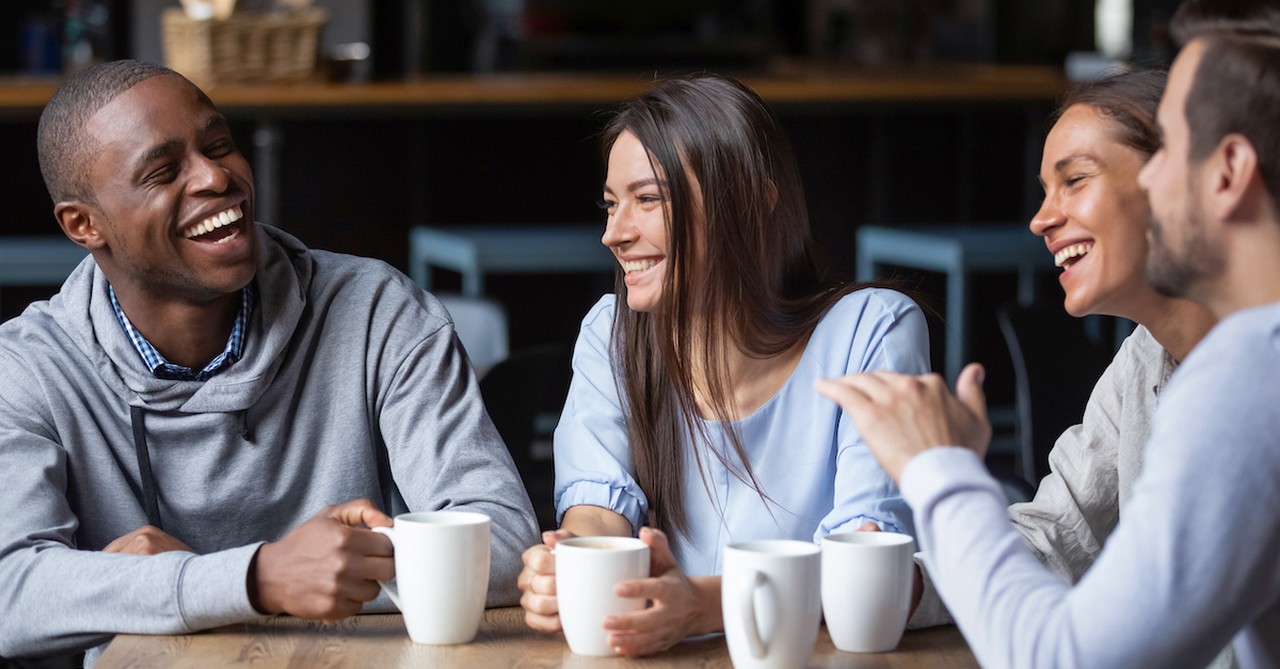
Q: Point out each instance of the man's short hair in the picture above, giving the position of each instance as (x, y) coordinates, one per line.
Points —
(1198, 18)
(65, 149)
(1236, 90)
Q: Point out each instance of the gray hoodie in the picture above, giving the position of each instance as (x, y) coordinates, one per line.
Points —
(346, 364)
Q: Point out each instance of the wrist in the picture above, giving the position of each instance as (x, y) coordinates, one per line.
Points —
(254, 583)
(709, 618)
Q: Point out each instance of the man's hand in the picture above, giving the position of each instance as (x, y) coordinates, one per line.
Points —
(901, 416)
(146, 540)
(679, 606)
(326, 567)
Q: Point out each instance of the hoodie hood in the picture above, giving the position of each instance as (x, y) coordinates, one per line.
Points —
(284, 276)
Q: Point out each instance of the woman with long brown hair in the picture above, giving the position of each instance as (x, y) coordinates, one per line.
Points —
(692, 418)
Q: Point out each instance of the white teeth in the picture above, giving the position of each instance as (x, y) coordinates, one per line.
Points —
(214, 222)
(630, 266)
(1074, 251)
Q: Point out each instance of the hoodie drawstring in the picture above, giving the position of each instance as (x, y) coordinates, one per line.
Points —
(149, 500)
(246, 430)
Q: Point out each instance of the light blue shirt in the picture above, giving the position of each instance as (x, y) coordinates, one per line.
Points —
(1192, 563)
(805, 452)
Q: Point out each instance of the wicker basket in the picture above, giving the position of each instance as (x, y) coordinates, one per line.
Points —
(247, 47)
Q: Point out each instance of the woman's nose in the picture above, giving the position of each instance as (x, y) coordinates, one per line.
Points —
(617, 228)
(1047, 218)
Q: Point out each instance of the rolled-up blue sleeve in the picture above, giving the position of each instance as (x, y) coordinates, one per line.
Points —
(888, 334)
(592, 452)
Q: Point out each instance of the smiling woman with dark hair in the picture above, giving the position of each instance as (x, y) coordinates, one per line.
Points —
(692, 412)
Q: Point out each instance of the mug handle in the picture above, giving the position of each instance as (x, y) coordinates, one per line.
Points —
(749, 620)
(389, 587)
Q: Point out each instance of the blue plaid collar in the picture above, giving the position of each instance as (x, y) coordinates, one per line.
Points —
(164, 369)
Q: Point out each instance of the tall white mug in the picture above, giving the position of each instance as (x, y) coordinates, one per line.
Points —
(442, 573)
(771, 602)
(587, 568)
(866, 589)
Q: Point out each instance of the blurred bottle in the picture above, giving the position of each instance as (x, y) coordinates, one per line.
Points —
(86, 30)
(41, 44)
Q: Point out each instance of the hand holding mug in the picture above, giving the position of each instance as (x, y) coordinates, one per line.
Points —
(681, 607)
(537, 583)
(327, 567)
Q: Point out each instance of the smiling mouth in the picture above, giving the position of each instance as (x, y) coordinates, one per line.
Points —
(218, 229)
(1069, 255)
(632, 266)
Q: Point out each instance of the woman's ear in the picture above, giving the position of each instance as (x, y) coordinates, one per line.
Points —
(771, 195)
(79, 222)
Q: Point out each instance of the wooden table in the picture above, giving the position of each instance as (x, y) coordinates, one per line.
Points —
(503, 641)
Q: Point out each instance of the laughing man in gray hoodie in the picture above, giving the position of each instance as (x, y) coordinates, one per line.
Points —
(201, 426)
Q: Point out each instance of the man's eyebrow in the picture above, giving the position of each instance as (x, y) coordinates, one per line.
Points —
(216, 122)
(158, 151)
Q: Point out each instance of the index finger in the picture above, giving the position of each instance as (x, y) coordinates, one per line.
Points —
(360, 512)
(843, 392)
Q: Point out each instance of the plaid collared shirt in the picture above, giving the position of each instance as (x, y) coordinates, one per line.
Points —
(164, 369)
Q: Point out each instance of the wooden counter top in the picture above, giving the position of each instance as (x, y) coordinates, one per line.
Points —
(799, 86)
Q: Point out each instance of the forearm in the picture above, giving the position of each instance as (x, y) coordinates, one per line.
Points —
(62, 599)
(595, 521)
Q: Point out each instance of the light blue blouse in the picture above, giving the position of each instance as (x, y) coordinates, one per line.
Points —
(817, 473)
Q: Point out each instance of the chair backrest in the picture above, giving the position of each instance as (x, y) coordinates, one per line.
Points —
(530, 383)
(481, 325)
(1056, 365)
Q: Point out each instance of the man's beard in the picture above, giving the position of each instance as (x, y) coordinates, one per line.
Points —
(1173, 273)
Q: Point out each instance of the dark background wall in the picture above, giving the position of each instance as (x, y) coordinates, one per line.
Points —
(357, 184)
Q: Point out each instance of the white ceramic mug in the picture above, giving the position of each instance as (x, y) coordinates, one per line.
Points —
(442, 573)
(771, 601)
(587, 569)
(866, 589)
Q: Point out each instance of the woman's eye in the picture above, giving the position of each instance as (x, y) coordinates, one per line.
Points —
(606, 205)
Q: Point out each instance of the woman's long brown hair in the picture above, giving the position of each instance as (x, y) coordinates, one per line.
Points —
(741, 273)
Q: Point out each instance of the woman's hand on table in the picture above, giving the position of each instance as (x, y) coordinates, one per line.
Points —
(537, 583)
(680, 606)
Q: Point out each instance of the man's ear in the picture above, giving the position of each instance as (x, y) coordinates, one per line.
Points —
(81, 223)
(1236, 165)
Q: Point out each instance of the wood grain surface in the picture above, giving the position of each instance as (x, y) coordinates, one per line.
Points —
(503, 641)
